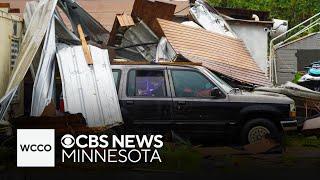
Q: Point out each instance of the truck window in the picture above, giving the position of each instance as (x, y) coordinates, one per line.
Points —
(147, 83)
(193, 84)
(116, 76)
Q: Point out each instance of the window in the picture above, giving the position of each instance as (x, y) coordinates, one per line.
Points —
(147, 83)
(116, 76)
(193, 84)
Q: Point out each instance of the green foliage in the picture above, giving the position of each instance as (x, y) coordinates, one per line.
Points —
(297, 77)
(293, 10)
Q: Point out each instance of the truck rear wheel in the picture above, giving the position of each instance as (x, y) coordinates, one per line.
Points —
(258, 129)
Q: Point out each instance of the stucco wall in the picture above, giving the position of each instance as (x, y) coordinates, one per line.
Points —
(255, 38)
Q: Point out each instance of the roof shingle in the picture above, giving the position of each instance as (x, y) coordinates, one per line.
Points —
(219, 53)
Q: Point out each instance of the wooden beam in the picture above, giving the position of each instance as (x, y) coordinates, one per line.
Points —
(85, 47)
(5, 5)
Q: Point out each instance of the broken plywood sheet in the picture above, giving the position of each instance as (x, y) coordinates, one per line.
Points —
(148, 11)
(125, 20)
(89, 90)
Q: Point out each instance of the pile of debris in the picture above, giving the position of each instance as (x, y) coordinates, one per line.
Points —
(83, 49)
(154, 33)
(85, 74)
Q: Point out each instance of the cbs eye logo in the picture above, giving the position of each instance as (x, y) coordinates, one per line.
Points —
(67, 141)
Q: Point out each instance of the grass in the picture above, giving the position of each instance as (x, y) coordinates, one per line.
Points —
(301, 141)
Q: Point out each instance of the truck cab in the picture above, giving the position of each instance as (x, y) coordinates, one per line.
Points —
(193, 102)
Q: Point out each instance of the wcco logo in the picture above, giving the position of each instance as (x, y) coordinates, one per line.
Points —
(35, 148)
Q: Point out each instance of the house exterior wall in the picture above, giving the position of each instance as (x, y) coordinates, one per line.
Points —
(286, 65)
(10, 39)
(287, 56)
(255, 38)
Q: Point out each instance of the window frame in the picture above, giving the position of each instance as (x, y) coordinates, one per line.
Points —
(119, 79)
(166, 81)
(173, 90)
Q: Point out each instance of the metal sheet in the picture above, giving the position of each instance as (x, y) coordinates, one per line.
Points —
(29, 47)
(44, 81)
(5, 102)
(219, 53)
(28, 12)
(209, 20)
(32, 40)
(97, 34)
(140, 34)
(165, 52)
(89, 90)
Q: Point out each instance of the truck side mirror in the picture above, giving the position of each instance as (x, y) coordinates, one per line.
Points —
(215, 92)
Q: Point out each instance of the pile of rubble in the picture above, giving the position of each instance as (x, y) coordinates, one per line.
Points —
(62, 32)
(69, 53)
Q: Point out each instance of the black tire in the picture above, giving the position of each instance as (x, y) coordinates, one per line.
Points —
(260, 122)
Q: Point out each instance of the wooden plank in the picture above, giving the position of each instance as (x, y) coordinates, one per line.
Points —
(85, 47)
(4, 5)
(149, 11)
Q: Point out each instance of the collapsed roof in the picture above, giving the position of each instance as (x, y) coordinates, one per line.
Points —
(219, 53)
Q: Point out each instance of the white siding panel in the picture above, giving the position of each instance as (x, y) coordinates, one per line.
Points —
(89, 90)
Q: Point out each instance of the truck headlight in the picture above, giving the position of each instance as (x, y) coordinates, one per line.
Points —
(293, 113)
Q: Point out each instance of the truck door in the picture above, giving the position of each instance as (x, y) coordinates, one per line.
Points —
(147, 103)
(199, 106)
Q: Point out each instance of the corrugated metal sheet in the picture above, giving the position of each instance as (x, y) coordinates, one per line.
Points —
(29, 47)
(209, 20)
(44, 82)
(92, 28)
(139, 34)
(32, 40)
(219, 53)
(10, 45)
(89, 90)
(5, 101)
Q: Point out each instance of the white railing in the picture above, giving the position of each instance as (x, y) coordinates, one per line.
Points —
(309, 24)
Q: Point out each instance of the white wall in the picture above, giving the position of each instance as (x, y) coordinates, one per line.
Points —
(255, 37)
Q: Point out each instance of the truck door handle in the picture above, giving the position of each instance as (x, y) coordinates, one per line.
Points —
(181, 103)
(130, 102)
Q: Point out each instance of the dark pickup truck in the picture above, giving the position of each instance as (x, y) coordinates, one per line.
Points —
(193, 102)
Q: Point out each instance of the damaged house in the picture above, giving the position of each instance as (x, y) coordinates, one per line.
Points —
(66, 52)
(197, 39)
(82, 71)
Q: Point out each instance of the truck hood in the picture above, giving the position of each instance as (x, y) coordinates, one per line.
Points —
(260, 97)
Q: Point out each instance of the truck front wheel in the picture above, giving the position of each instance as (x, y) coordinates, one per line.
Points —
(258, 129)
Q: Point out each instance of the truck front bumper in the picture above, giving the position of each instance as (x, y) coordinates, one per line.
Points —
(291, 125)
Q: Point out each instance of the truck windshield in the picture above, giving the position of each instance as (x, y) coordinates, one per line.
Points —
(226, 87)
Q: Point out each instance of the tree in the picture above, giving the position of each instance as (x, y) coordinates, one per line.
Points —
(295, 11)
